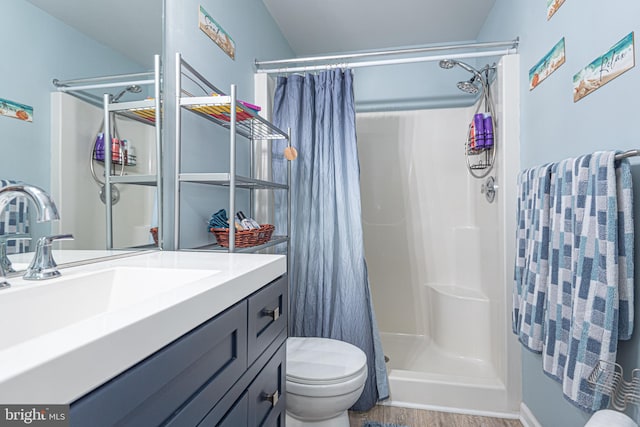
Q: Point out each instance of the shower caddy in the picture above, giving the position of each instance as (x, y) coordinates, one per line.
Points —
(147, 111)
(226, 111)
(480, 161)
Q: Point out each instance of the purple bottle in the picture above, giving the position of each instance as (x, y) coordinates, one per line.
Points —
(488, 131)
(99, 147)
(478, 123)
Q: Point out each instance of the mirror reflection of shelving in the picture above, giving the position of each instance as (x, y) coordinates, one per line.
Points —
(116, 210)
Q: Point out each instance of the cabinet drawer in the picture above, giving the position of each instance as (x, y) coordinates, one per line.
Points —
(238, 415)
(266, 393)
(213, 354)
(268, 310)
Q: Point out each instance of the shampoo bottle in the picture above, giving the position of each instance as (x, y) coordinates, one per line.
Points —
(99, 147)
(471, 143)
(488, 131)
(478, 122)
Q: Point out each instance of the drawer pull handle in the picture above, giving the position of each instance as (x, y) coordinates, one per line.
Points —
(272, 398)
(274, 314)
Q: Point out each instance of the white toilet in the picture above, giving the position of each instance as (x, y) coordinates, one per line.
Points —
(610, 418)
(325, 377)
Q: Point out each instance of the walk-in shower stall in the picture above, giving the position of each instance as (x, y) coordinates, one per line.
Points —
(439, 236)
(440, 252)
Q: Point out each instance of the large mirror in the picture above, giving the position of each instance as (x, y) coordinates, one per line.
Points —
(49, 134)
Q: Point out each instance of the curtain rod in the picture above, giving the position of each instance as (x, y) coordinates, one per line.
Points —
(103, 85)
(511, 44)
(360, 64)
(59, 83)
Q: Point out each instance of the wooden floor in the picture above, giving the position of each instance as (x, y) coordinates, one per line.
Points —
(419, 418)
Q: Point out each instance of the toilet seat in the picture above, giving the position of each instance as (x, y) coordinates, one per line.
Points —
(323, 361)
(324, 378)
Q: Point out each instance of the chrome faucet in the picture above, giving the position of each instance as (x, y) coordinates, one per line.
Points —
(45, 207)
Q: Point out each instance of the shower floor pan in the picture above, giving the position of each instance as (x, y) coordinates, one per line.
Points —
(422, 375)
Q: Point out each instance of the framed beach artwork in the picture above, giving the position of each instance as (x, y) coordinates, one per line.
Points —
(215, 32)
(552, 7)
(547, 65)
(617, 60)
(15, 110)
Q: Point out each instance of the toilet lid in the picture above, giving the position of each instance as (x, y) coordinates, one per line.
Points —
(323, 360)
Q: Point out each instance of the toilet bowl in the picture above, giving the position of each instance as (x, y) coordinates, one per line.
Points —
(610, 418)
(325, 377)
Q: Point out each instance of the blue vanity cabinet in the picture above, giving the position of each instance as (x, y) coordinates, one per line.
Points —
(211, 376)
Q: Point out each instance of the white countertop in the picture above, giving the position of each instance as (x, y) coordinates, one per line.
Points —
(62, 365)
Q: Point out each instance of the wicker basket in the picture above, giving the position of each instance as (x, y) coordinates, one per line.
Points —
(244, 238)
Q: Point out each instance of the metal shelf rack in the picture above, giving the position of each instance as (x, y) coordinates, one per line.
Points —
(225, 111)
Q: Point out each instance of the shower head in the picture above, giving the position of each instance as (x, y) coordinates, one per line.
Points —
(472, 86)
(132, 89)
(469, 86)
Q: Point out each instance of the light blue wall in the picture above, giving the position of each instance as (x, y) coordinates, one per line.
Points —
(410, 86)
(553, 127)
(37, 48)
(256, 36)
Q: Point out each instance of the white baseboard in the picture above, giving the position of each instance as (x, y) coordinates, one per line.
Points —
(527, 418)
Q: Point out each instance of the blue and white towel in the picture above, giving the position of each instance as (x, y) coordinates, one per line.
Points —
(589, 294)
(532, 261)
(625, 249)
(14, 219)
(561, 278)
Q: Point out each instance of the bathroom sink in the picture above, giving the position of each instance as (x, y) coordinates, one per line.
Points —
(32, 310)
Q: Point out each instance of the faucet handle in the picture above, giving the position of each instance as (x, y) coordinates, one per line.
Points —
(3, 272)
(43, 265)
(4, 260)
(47, 240)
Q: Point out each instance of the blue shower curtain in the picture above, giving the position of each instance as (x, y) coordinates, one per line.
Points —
(330, 294)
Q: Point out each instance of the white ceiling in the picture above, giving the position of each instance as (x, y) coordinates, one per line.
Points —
(330, 26)
(133, 27)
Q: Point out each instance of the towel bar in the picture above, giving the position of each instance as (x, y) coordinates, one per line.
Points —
(627, 154)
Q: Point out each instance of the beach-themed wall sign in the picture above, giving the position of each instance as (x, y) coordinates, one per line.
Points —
(547, 65)
(552, 7)
(605, 68)
(215, 32)
(15, 110)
